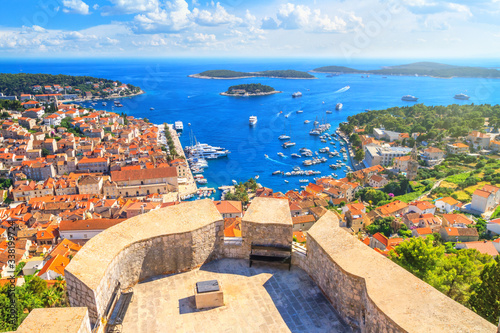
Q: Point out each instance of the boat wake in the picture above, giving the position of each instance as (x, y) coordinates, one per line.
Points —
(288, 114)
(270, 159)
(341, 90)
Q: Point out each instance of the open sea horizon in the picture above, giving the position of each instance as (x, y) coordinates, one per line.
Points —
(223, 121)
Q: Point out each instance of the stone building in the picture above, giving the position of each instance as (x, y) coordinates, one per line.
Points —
(142, 182)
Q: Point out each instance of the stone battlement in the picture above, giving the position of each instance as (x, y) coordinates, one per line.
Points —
(370, 292)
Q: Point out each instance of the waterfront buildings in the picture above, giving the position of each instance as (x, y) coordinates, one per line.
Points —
(383, 155)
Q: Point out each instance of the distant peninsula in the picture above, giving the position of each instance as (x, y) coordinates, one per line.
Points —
(67, 86)
(228, 74)
(251, 89)
(432, 69)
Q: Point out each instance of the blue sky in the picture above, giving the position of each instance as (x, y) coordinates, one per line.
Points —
(424, 29)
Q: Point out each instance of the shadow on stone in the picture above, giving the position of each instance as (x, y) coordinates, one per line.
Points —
(187, 305)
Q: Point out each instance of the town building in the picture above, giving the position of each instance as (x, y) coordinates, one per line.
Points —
(383, 155)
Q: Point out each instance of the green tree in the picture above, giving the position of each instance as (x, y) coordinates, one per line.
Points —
(456, 273)
(485, 298)
(404, 231)
(418, 256)
(45, 152)
(382, 225)
(359, 155)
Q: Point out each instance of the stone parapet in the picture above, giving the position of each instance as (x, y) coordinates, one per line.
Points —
(373, 294)
(370, 292)
(60, 320)
(267, 221)
(171, 240)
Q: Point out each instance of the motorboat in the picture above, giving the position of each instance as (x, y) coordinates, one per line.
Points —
(463, 97)
(409, 98)
(252, 120)
(297, 94)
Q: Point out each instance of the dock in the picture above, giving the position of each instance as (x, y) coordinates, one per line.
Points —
(190, 187)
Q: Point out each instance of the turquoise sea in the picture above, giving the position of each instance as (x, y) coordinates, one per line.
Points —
(223, 121)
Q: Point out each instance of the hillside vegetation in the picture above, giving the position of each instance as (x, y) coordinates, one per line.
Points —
(289, 73)
(22, 83)
(420, 68)
(251, 88)
(434, 122)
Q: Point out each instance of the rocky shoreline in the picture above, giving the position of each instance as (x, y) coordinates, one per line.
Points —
(94, 98)
(198, 76)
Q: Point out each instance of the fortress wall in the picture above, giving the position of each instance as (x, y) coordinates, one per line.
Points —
(167, 241)
(267, 221)
(372, 293)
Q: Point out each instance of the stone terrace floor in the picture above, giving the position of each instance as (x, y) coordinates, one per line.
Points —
(264, 298)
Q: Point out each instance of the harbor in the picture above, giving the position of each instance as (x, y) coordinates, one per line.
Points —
(225, 122)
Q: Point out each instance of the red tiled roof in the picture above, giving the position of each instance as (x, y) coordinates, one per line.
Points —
(229, 207)
(125, 175)
(92, 224)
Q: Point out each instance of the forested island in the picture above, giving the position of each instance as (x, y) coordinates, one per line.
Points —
(432, 69)
(228, 74)
(25, 83)
(251, 89)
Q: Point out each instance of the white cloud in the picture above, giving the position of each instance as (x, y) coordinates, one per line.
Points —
(75, 35)
(175, 19)
(201, 38)
(424, 7)
(302, 17)
(130, 7)
(218, 17)
(249, 19)
(38, 29)
(76, 7)
(110, 41)
(95, 7)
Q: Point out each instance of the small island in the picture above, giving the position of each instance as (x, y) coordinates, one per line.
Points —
(251, 89)
(228, 74)
(431, 69)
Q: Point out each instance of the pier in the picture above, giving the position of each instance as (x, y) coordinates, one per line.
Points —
(190, 186)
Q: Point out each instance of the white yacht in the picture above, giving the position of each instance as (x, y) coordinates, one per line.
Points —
(409, 98)
(178, 126)
(297, 94)
(463, 97)
(252, 120)
(284, 137)
(339, 106)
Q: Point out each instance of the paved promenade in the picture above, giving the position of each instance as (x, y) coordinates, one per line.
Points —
(263, 298)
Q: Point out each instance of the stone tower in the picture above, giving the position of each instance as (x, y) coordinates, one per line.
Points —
(413, 164)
